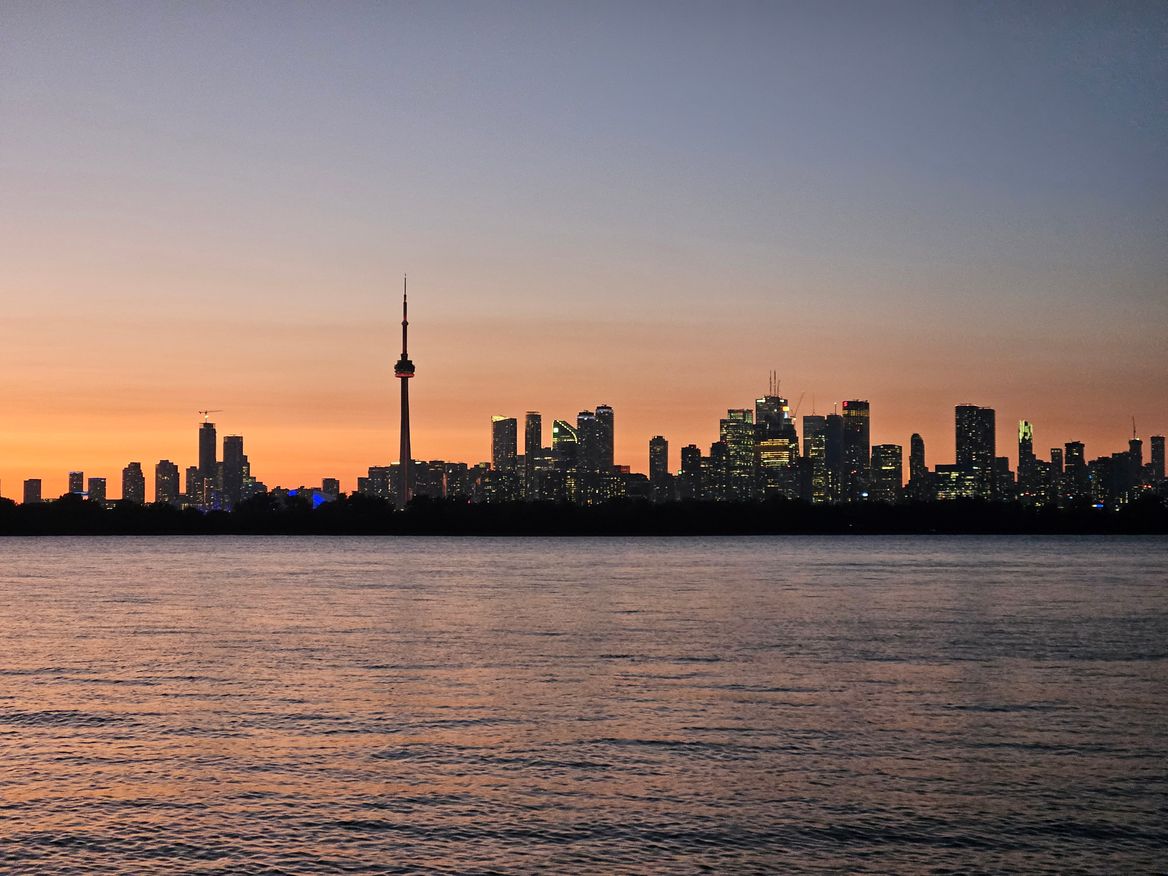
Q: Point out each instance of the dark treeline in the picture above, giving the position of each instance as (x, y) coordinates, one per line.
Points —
(362, 515)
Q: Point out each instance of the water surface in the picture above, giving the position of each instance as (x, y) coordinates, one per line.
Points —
(315, 705)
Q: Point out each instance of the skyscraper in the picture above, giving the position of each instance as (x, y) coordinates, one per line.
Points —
(403, 371)
(208, 464)
(887, 473)
(97, 490)
(564, 444)
(232, 470)
(856, 450)
(166, 482)
(504, 443)
(736, 432)
(1028, 481)
(134, 484)
(833, 456)
(32, 491)
(76, 482)
(976, 446)
(919, 488)
(606, 435)
(588, 458)
(1157, 459)
(691, 472)
(532, 450)
(659, 468)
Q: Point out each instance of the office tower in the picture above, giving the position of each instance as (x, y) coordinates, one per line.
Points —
(856, 449)
(1056, 461)
(589, 456)
(76, 482)
(32, 491)
(817, 478)
(97, 490)
(833, 455)
(166, 482)
(134, 484)
(330, 487)
(976, 446)
(504, 443)
(1133, 466)
(690, 481)
(919, 487)
(736, 433)
(887, 473)
(813, 425)
(532, 450)
(659, 468)
(403, 371)
(564, 444)
(1157, 459)
(1005, 488)
(208, 464)
(378, 481)
(1028, 480)
(233, 462)
(1076, 487)
(772, 417)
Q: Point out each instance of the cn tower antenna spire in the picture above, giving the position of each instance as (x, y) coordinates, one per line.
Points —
(405, 319)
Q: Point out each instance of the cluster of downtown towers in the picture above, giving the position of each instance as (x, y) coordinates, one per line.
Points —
(759, 454)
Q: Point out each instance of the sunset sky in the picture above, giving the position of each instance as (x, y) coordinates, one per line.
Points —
(649, 205)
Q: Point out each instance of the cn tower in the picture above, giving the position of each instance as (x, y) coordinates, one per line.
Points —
(403, 371)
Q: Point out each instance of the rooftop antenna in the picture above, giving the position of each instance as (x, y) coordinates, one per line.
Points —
(1133, 427)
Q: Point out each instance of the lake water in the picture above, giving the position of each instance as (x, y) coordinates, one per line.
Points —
(746, 705)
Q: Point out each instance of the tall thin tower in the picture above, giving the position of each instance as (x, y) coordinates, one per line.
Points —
(403, 371)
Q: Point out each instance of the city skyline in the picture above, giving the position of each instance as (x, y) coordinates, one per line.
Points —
(915, 204)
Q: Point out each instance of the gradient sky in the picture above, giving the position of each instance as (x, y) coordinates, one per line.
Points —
(210, 205)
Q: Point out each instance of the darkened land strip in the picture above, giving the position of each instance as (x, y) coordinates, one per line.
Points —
(362, 515)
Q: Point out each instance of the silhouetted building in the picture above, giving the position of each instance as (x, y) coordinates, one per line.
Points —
(920, 486)
(233, 460)
(813, 425)
(208, 463)
(77, 482)
(659, 485)
(166, 482)
(32, 491)
(606, 435)
(1030, 487)
(97, 490)
(690, 480)
(856, 449)
(504, 443)
(736, 433)
(330, 487)
(833, 449)
(532, 450)
(976, 446)
(1156, 463)
(1076, 485)
(134, 484)
(887, 473)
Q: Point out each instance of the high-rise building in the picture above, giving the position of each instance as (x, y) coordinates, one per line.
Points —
(856, 449)
(208, 465)
(564, 444)
(404, 371)
(887, 473)
(97, 490)
(532, 451)
(134, 484)
(1029, 486)
(833, 455)
(32, 491)
(166, 482)
(919, 487)
(1157, 459)
(233, 464)
(504, 443)
(1076, 481)
(976, 446)
(193, 486)
(330, 487)
(659, 485)
(606, 435)
(736, 432)
(77, 482)
(813, 425)
(690, 482)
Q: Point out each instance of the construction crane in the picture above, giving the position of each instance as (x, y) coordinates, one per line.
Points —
(207, 414)
(798, 405)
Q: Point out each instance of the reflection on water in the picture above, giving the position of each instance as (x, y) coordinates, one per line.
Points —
(609, 705)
